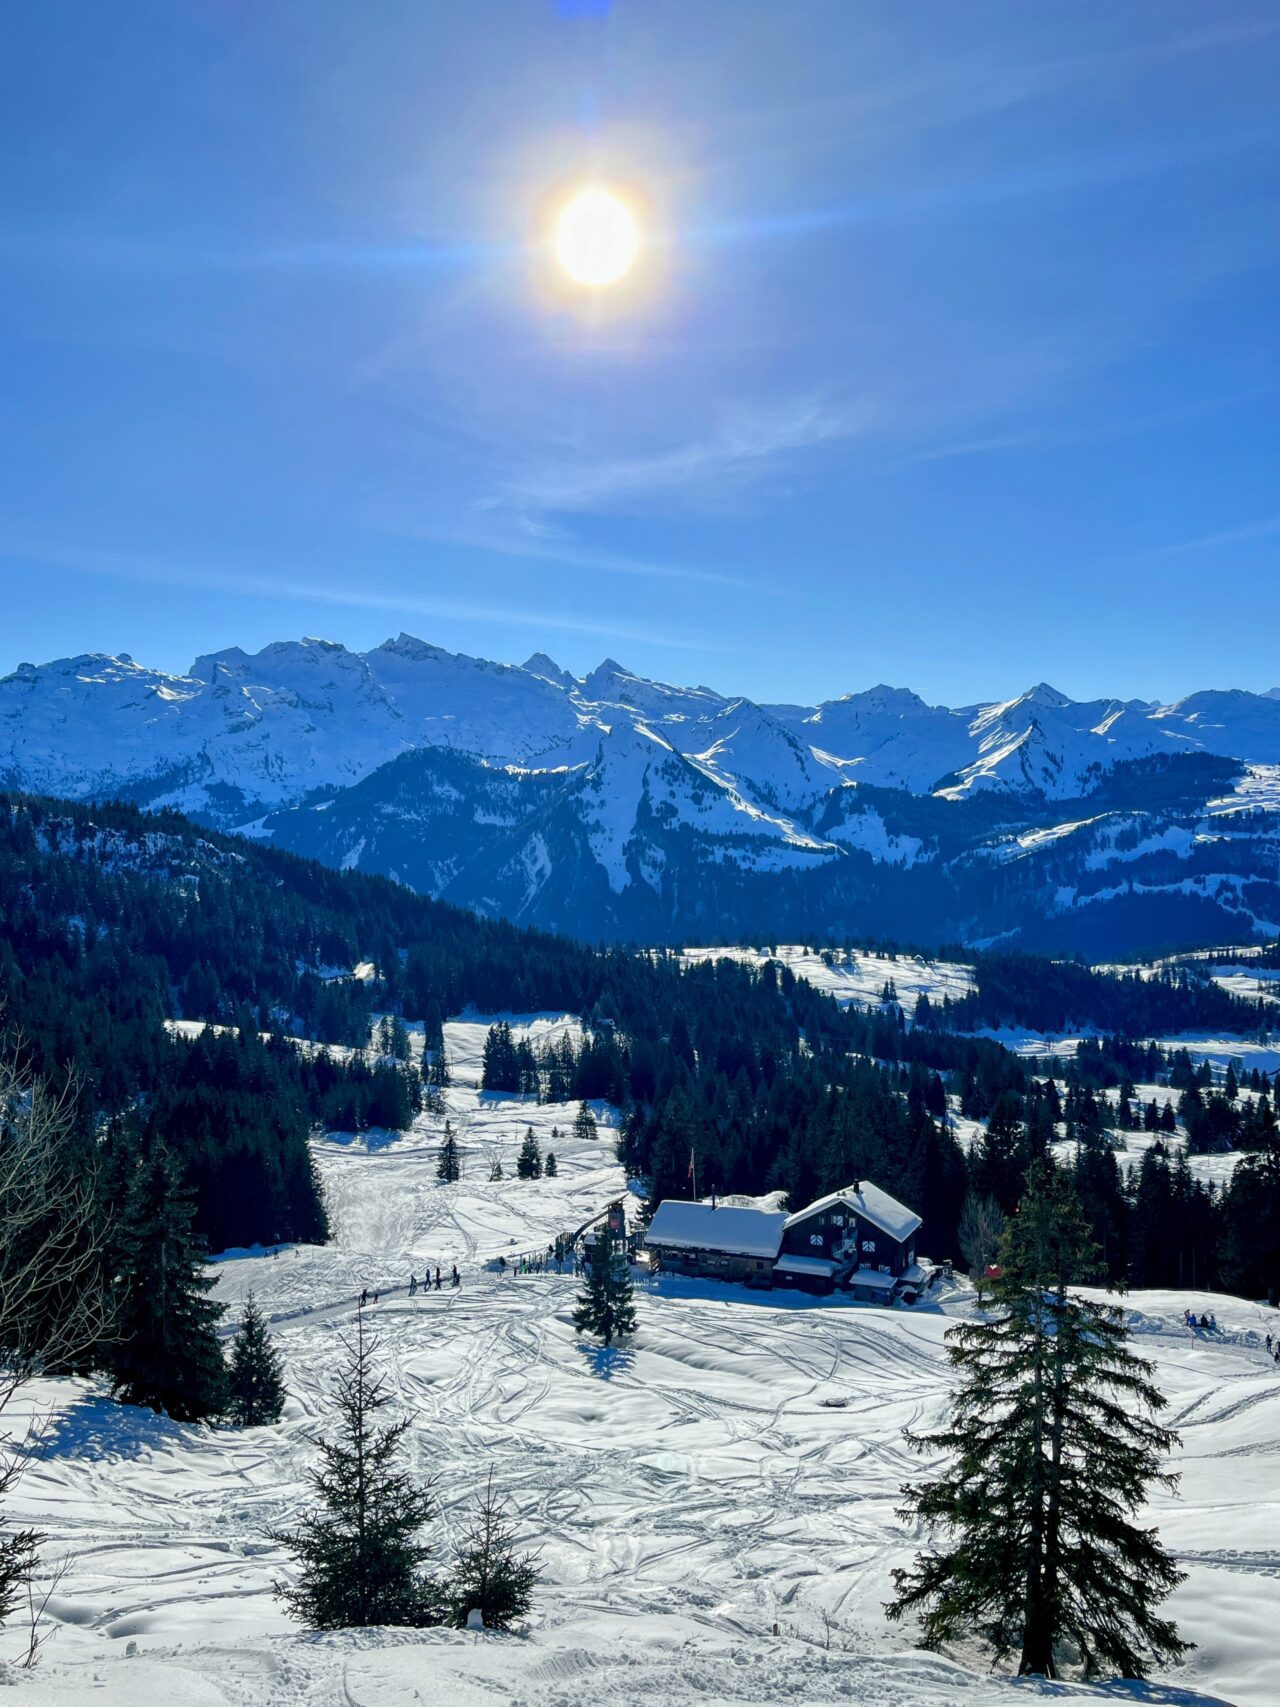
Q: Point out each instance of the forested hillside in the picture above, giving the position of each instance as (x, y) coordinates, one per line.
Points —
(113, 922)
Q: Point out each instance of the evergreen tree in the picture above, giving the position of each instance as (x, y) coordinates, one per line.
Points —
(606, 1304)
(449, 1165)
(1252, 1216)
(490, 1576)
(360, 1556)
(584, 1124)
(255, 1379)
(529, 1159)
(168, 1355)
(1054, 1444)
(549, 1165)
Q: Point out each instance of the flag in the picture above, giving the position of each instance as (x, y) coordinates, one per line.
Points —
(693, 1170)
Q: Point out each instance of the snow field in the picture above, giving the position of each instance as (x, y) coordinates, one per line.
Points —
(733, 1472)
(855, 977)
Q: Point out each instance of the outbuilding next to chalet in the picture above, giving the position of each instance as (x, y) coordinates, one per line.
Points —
(723, 1243)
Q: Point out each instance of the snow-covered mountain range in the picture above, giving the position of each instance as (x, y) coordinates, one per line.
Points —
(615, 805)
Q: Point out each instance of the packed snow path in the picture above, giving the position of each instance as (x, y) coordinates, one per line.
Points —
(714, 1503)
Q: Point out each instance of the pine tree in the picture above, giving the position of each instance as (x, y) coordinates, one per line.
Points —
(449, 1165)
(489, 1575)
(606, 1304)
(360, 1554)
(584, 1124)
(168, 1355)
(255, 1379)
(549, 1165)
(529, 1160)
(1054, 1445)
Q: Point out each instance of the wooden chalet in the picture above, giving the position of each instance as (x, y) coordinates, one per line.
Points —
(859, 1238)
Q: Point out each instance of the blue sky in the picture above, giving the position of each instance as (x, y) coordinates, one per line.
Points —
(951, 361)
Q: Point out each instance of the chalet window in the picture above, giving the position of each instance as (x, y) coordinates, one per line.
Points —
(883, 1268)
(837, 1220)
(815, 1238)
(868, 1244)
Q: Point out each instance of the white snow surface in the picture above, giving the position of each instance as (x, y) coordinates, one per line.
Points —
(853, 976)
(706, 1498)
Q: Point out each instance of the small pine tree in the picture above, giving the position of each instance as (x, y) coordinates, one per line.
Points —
(529, 1160)
(1053, 1447)
(168, 1354)
(489, 1575)
(449, 1166)
(606, 1304)
(584, 1123)
(255, 1380)
(19, 1562)
(549, 1166)
(360, 1556)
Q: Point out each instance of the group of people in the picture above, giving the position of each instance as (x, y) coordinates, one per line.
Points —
(455, 1279)
(539, 1264)
(1207, 1321)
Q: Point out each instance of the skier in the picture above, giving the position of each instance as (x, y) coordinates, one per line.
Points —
(437, 1277)
(1211, 1322)
(457, 1278)
(1268, 1345)
(375, 1297)
(364, 1296)
(413, 1286)
(1191, 1321)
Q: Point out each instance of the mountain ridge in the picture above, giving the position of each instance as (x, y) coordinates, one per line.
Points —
(614, 805)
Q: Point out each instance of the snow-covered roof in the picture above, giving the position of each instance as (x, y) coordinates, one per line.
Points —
(699, 1226)
(873, 1278)
(872, 1204)
(805, 1265)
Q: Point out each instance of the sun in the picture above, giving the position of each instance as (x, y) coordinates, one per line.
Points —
(596, 237)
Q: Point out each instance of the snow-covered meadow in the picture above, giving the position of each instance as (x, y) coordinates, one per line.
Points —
(854, 975)
(714, 1503)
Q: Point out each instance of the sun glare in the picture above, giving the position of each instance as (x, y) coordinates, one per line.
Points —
(597, 238)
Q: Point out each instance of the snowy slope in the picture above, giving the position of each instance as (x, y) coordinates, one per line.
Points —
(715, 1503)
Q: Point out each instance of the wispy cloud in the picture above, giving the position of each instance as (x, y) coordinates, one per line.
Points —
(1130, 426)
(1264, 529)
(536, 540)
(124, 567)
(744, 449)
